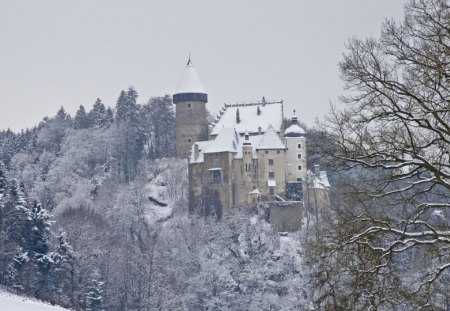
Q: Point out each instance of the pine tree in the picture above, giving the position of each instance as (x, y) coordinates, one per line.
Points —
(18, 227)
(130, 136)
(62, 273)
(5, 247)
(29, 230)
(99, 116)
(81, 119)
(159, 121)
(93, 298)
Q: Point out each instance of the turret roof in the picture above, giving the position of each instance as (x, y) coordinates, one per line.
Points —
(190, 82)
(294, 130)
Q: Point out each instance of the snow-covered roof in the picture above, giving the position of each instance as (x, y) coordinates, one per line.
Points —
(250, 119)
(190, 82)
(254, 141)
(226, 141)
(270, 140)
(318, 180)
(229, 140)
(254, 191)
(202, 146)
(294, 130)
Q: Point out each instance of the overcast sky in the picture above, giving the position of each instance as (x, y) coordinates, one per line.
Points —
(68, 53)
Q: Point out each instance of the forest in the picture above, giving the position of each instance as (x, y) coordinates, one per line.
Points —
(93, 208)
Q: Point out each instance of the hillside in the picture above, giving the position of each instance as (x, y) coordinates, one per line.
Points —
(11, 302)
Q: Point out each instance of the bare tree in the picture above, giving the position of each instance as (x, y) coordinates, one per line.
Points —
(393, 137)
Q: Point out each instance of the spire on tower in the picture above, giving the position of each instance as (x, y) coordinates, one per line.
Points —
(189, 63)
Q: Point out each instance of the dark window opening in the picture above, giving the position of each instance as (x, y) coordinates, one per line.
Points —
(216, 176)
(271, 162)
(271, 174)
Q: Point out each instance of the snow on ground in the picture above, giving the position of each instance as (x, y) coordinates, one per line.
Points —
(164, 188)
(11, 302)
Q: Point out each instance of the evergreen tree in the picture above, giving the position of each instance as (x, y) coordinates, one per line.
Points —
(7, 145)
(159, 122)
(62, 273)
(5, 247)
(29, 229)
(99, 116)
(93, 298)
(53, 131)
(130, 136)
(81, 119)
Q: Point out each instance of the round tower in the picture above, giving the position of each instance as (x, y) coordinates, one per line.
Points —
(190, 100)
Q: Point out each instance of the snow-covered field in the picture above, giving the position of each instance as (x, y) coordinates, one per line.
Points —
(11, 302)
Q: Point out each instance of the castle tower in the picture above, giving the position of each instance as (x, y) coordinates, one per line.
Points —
(190, 101)
(295, 160)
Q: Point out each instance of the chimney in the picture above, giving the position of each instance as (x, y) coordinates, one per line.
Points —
(238, 118)
(196, 151)
(259, 130)
(258, 111)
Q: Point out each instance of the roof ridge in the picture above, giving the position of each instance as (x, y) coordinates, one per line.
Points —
(253, 103)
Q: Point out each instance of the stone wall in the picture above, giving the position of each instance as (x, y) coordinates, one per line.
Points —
(278, 168)
(284, 216)
(191, 126)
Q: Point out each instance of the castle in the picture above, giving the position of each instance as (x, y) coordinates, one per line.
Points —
(246, 156)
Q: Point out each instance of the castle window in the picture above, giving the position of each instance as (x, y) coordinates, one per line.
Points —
(299, 167)
(215, 175)
(189, 140)
(266, 152)
(271, 191)
(299, 179)
(270, 162)
(271, 174)
(278, 151)
(189, 105)
(299, 156)
(299, 146)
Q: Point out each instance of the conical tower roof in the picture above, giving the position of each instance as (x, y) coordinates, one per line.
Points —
(190, 82)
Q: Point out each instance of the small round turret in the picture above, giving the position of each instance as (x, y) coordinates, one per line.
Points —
(294, 130)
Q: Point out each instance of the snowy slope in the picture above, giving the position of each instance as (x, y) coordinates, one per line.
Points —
(10, 302)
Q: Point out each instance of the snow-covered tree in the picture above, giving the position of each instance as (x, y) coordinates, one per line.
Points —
(81, 120)
(93, 299)
(159, 121)
(129, 134)
(99, 116)
(393, 138)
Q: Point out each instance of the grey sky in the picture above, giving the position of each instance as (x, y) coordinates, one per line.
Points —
(68, 53)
